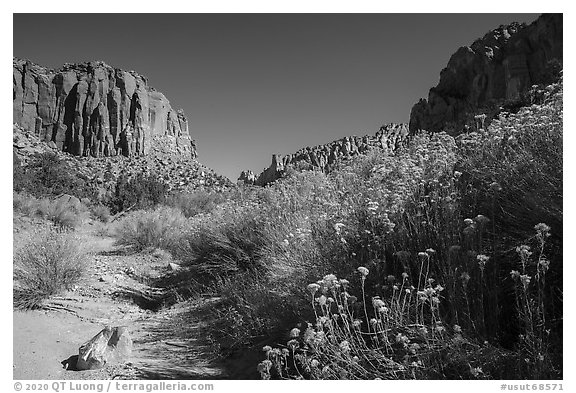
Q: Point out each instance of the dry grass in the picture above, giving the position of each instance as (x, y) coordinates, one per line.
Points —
(194, 203)
(46, 264)
(159, 228)
(66, 215)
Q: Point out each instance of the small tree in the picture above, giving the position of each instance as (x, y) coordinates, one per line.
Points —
(141, 191)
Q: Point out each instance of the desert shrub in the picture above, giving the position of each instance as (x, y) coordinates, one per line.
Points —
(46, 174)
(24, 204)
(103, 229)
(403, 333)
(143, 191)
(249, 309)
(193, 203)
(223, 244)
(45, 265)
(400, 336)
(19, 179)
(307, 224)
(65, 213)
(162, 228)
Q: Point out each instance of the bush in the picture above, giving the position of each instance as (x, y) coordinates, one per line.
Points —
(160, 228)
(249, 308)
(64, 213)
(221, 248)
(143, 191)
(24, 204)
(400, 336)
(403, 334)
(46, 265)
(197, 202)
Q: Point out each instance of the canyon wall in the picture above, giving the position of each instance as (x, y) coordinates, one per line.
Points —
(92, 109)
(324, 157)
(496, 68)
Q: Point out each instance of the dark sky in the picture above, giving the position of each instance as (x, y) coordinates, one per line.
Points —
(256, 84)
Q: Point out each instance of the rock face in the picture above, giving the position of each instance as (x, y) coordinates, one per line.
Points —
(247, 177)
(498, 67)
(324, 157)
(92, 109)
(111, 345)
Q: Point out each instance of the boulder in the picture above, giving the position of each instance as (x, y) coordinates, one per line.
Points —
(174, 267)
(111, 345)
(247, 177)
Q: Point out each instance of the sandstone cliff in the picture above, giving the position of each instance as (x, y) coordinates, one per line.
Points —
(498, 67)
(92, 109)
(324, 157)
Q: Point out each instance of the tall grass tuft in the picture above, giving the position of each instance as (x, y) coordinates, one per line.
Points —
(65, 214)
(161, 228)
(197, 202)
(49, 263)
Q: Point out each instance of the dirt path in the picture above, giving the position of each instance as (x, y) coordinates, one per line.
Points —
(114, 292)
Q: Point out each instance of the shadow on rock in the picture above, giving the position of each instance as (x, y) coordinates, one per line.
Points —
(70, 364)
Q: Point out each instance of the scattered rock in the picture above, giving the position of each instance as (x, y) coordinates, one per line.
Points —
(173, 266)
(111, 345)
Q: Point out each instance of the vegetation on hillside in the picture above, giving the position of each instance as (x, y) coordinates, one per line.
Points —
(46, 174)
(440, 260)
